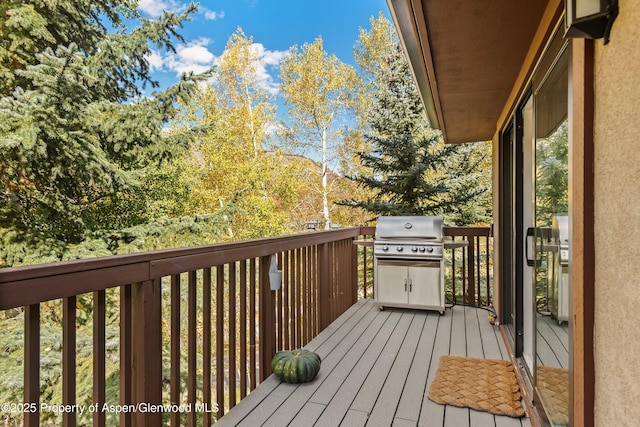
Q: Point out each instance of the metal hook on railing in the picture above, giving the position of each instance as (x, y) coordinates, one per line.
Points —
(275, 275)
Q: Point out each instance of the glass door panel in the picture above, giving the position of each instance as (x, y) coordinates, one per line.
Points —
(550, 241)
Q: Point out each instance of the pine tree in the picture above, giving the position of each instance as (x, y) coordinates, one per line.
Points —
(76, 134)
(406, 154)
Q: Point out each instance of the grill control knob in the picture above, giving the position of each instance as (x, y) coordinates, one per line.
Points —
(430, 249)
(414, 249)
(422, 249)
(385, 248)
(400, 248)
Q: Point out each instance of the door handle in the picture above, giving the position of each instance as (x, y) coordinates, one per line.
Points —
(527, 245)
(405, 284)
(410, 285)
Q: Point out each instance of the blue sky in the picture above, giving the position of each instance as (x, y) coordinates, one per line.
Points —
(275, 25)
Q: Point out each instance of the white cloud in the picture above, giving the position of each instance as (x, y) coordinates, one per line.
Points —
(211, 15)
(155, 61)
(192, 57)
(270, 64)
(155, 8)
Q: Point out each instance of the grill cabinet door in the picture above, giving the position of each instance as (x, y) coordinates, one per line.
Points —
(424, 281)
(392, 284)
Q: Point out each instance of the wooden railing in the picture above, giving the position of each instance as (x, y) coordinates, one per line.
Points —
(210, 307)
(468, 269)
(180, 336)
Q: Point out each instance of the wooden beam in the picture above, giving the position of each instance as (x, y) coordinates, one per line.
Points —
(581, 164)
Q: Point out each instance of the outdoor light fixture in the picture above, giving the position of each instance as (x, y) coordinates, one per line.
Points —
(590, 19)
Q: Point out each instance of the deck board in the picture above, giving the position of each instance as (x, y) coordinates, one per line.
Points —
(377, 367)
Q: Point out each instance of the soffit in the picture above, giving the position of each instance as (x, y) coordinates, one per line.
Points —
(466, 56)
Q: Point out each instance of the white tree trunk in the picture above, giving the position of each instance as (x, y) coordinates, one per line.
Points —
(325, 192)
(225, 217)
(251, 123)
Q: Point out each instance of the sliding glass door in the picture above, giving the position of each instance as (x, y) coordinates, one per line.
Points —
(551, 261)
(535, 225)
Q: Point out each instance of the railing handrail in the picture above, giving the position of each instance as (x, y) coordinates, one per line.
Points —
(465, 231)
(22, 286)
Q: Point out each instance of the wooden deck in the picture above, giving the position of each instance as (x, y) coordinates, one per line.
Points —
(376, 370)
(552, 342)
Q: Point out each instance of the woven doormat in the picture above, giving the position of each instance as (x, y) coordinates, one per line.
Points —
(481, 384)
(553, 385)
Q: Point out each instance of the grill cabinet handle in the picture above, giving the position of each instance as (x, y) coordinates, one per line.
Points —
(405, 284)
(410, 285)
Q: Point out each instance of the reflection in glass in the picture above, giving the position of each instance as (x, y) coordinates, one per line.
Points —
(552, 244)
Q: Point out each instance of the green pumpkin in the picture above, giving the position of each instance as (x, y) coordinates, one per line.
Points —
(296, 366)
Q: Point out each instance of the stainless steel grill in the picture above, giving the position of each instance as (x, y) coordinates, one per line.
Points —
(409, 262)
(558, 269)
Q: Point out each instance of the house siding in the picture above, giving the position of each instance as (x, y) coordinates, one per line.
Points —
(617, 215)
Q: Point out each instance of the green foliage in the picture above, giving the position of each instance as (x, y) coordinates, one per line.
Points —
(74, 137)
(468, 172)
(552, 175)
(402, 165)
(159, 234)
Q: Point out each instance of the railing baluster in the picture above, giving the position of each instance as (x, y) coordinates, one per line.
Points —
(126, 353)
(364, 271)
(174, 391)
(32, 365)
(315, 280)
(69, 359)
(243, 328)
(285, 295)
(99, 357)
(479, 272)
(297, 296)
(471, 289)
(220, 340)
(253, 380)
(232, 335)
(354, 272)
(304, 285)
(191, 346)
(324, 286)
(206, 345)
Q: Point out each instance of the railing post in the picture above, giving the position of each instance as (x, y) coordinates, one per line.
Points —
(147, 350)
(267, 319)
(471, 286)
(354, 273)
(324, 285)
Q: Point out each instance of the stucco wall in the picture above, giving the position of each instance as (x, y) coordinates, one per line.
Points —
(617, 221)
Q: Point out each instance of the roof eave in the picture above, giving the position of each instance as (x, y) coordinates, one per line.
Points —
(415, 42)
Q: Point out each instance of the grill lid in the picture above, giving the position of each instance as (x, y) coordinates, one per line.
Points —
(560, 228)
(409, 227)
